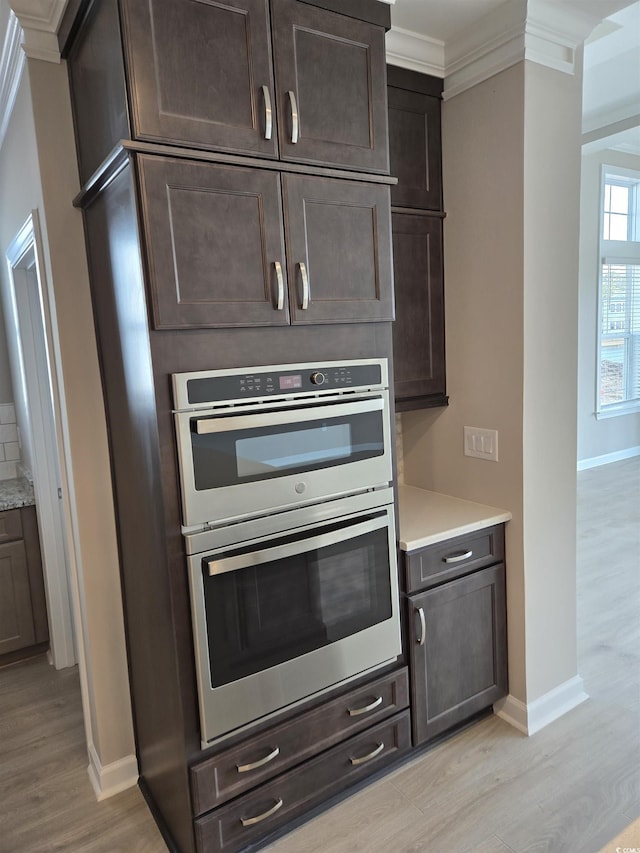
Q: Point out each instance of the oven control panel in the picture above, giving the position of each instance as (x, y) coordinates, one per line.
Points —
(219, 386)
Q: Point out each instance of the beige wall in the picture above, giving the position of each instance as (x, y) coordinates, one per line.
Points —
(510, 257)
(483, 186)
(607, 435)
(553, 109)
(38, 170)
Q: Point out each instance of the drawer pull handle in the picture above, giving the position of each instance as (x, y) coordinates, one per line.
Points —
(355, 712)
(423, 627)
(295, 118)
(243, 768)
(280, 301)
(458, 558)
(371, 755)
(268, 113)
(250, 821)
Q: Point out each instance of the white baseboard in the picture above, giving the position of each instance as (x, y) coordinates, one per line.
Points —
(617, 456)
(534, 716)
(114, 777)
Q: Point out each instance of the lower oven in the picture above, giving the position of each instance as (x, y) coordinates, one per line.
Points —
(287, 614)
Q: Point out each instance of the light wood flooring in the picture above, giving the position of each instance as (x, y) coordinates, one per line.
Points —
(570, 788)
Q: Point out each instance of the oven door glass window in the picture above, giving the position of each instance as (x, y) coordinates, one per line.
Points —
(294, 597)
(226, 457)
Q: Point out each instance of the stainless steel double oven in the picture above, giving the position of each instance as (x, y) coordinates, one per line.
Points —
(288, 517)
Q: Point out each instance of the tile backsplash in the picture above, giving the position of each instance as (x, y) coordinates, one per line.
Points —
(9, 443)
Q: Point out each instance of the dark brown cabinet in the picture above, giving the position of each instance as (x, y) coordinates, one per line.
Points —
(268, 78)
(330, 74)
(457, 633)
(415, 139)
(216, 238)
(416, 160)
(23, 617)
(418, 339)
(201, 74)
(245, 792)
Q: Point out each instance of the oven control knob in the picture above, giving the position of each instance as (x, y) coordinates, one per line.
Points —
(318, 378)
(300, 488)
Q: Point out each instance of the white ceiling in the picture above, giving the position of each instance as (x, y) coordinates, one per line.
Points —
(444, 19)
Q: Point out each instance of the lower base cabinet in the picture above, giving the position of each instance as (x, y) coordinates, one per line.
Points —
(232, 827)
(248, 791)
(457, 632)
(23, 615)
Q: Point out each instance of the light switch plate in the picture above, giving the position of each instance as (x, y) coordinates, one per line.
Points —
(481, 443)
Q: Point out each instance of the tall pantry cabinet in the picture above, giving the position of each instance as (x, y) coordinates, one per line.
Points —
(234, 165)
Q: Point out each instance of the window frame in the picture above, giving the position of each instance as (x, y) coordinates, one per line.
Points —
(623, 252)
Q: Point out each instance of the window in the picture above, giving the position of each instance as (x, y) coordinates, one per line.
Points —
(619, 295)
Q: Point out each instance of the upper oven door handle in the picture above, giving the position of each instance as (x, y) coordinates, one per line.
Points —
(266, 555)
(263, 419)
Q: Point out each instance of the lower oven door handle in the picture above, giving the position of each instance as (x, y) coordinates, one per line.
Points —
(263, 419)
(255, 558)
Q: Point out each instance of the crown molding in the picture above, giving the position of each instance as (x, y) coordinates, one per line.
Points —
(40, 20)
(11, 67)
(415, 52)
(541, 31)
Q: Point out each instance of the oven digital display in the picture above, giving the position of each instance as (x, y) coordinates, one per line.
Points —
(289, 382)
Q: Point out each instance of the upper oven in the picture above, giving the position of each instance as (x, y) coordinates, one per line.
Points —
(267, 439)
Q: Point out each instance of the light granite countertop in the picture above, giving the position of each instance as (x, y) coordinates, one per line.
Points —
(429, 517)
(16, 493)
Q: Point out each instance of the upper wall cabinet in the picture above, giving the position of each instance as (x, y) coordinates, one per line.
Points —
(223, 250)
(201, 73)
(268, 78)
(330, 75)
(415, 147)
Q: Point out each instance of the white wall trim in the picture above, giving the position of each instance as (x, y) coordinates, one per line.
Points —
(40, 20)
(112, 778)
(540, 31)
(606, 458)
(11, 67)
(534, 716)
(415, 52)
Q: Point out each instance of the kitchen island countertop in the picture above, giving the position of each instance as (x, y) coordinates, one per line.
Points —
(429, 517)
(16, 493)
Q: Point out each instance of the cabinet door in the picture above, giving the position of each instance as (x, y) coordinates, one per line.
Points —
(418, 333)
(415, 149)
(197, 69)
(16, 618)
(338, 250)
(331, 79)
(458, 649)
(215, 247)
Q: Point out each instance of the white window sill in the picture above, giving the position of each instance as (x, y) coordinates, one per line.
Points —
(617, 409)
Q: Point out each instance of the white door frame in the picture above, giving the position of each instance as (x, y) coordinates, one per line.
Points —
(31, 319)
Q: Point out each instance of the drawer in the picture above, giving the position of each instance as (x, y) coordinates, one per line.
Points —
(245, 765)
(258, 813)
(10, 525)
(453, 558)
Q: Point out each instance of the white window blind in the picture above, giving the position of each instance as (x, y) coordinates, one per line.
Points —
(620, 333)
(619, 294)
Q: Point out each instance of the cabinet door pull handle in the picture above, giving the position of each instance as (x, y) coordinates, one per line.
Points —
(366, 758)
(250, 821)
(244, 768)
(306, 292)
(280, 302)
(268, 113)
(355, 712)
(423, 627)
(295, 118)
(457, 558)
